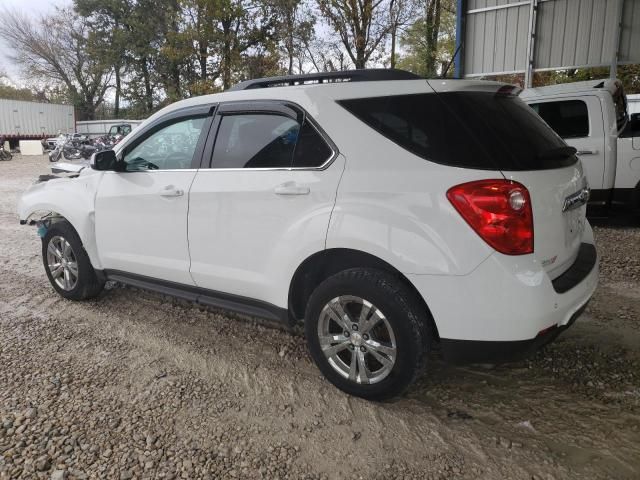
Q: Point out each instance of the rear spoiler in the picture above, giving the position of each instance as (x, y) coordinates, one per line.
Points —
(499, 88)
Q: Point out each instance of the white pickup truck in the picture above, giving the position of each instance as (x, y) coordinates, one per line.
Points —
(592, 117)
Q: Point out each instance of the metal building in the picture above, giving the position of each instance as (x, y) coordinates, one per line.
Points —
(522, 36)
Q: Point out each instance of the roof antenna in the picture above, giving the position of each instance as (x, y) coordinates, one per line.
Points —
(446, 69)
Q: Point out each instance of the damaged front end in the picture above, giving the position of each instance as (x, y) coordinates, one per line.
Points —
(70, 198)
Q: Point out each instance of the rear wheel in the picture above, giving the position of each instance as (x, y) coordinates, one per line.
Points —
(367, 333)
(67, 264)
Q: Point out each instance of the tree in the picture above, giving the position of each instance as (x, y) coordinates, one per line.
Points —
(241, 25)
(429, 43)
(55, 48)
(11, 92)
(362, 25)
(401, 12)
(107, 20)
(295, 23)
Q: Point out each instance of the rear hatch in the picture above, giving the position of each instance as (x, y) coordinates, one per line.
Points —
(511, 137)
(485, 126)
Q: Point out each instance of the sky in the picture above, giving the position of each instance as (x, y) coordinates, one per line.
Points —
(31, 8)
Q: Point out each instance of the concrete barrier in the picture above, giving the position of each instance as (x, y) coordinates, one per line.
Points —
(31, 147)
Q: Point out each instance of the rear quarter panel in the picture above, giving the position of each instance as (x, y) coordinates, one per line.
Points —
(393, 204)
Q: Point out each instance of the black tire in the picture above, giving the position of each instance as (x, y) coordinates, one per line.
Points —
(404, 313)
(87, 284)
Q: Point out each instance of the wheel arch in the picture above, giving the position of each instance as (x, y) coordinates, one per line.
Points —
(83, 227)
(321, 265)
(69, 198)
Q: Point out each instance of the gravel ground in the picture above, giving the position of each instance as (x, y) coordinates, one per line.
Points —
(137, 385)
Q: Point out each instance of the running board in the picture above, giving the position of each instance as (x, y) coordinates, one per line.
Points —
(202, 296)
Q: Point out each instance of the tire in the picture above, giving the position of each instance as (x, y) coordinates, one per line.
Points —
(399, 320)
(62, 246)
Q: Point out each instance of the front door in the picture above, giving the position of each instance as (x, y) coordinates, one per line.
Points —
(141, 212)
(264, 205)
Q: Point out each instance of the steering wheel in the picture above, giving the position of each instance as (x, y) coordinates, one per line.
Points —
(138, 164)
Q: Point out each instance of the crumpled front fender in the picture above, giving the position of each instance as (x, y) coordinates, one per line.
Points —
(71, 198)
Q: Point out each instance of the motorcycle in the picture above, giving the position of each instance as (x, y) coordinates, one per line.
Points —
(72, 149)
(4, 154)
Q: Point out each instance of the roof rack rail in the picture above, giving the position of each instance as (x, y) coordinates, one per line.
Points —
(374, 74)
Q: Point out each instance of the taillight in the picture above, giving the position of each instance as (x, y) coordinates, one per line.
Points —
(499, 211)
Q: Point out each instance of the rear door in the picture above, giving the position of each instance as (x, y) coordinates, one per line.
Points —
(265, 199)
(579, 121)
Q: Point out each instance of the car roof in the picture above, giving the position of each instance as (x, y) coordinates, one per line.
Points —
(307, 94)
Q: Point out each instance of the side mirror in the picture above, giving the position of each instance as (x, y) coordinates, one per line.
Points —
(104, 160)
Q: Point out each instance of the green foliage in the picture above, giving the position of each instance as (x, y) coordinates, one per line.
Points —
(423, 55)
(13, 93)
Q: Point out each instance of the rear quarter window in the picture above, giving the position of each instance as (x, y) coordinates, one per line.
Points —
(479, 130)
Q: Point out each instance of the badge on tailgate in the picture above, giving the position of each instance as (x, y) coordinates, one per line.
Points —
(577, 199)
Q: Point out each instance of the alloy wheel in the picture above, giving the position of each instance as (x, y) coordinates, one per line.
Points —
(62, 263)
(357, 339)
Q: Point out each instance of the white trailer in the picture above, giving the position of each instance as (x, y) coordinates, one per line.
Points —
(20, 120)
(97, 128)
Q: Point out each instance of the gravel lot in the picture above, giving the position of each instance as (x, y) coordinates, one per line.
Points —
(137, 385)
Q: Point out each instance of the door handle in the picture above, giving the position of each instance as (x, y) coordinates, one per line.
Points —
(171, 191)
(587, 152)
(291, 188)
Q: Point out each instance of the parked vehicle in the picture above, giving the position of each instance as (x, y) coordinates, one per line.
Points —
(633, 103)
(592, 117)
(73, 147)
(98, 128)
(386, 212)
(20, 120)
(52, 143)
(4, 154)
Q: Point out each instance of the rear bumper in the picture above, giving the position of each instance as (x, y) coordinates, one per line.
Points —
(472, 351)
(508, 306)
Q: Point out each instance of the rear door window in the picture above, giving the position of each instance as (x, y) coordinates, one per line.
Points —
(255, 140)
(569, 118)
(268, 140)
(480, 130)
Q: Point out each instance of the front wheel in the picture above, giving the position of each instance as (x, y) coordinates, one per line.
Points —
(67, 264)
(367, 332)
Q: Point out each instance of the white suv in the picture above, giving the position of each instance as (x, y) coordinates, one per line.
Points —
(388, 213)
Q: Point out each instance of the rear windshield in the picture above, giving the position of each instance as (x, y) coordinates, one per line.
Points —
(465, 129)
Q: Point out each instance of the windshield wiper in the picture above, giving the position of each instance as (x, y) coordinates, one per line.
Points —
(558, 152)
